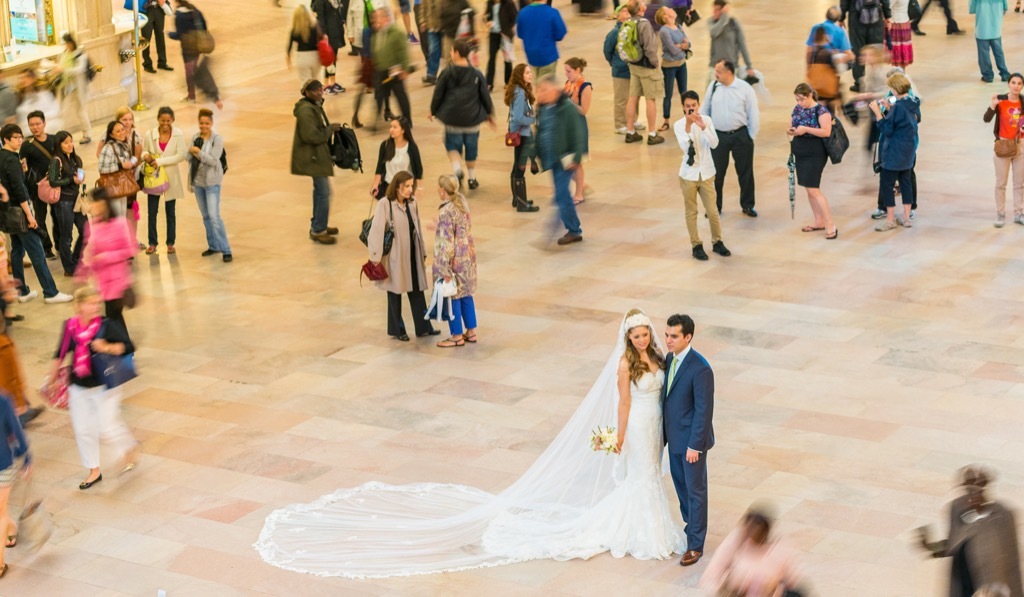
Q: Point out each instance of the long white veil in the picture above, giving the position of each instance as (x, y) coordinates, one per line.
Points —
(379, 530)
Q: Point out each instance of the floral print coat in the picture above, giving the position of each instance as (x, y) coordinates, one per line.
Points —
(454, 252)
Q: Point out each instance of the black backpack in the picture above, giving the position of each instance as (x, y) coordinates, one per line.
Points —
(345, 149)
(869, 12)
(224, 160)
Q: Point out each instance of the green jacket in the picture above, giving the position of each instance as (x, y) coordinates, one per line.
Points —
(390, 48)
(560, 133)
(311, 153)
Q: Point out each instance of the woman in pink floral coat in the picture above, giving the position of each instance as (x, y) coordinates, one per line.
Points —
(455, 258)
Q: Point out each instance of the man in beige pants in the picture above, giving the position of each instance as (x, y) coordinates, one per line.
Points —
(696, 135)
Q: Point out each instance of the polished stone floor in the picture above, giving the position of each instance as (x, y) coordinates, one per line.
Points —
(853, 377)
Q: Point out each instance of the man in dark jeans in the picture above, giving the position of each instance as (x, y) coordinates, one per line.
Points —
(13, 179)
(155, 14)
(37, 153)
(867, 23)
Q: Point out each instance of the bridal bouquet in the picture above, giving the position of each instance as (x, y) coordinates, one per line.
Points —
(604, 439)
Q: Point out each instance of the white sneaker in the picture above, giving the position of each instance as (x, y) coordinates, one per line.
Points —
(1018, 220)
(878, 214)
(60, 297)
(913, 214)
(621, 131)
(1000, 220)
(639, 126)
(24, 298)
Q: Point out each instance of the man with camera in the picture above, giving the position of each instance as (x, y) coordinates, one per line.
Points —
(697, 137)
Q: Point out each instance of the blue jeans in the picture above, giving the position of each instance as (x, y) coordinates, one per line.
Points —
(563, 198)
(208, 199)
(29, 242)
(985, 64)
(456, 141)
(321, 204)
(463, 310)
(434, 58)
(676, 75)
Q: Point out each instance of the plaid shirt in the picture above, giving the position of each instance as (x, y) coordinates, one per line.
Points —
(112, 155)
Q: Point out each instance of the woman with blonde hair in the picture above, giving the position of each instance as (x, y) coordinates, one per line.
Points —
(897, 150)
(304, 36)
(455, 258)
(95, 409)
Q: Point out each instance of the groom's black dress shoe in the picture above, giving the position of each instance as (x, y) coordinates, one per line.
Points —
(690, 558)
(698, 253)
(750, 211)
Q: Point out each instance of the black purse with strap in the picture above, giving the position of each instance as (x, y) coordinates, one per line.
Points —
(389, 230)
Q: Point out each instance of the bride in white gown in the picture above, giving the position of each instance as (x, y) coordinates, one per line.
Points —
(571, 503)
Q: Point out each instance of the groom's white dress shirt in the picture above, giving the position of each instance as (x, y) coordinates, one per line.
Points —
(703, 141)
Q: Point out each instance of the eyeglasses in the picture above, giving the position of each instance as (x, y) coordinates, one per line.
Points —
(691, 153)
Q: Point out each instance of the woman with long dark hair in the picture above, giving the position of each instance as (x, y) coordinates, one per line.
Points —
(67, 174)
(116, 155)
(519, 99)
(405, 261)
(397, 153)
(1006, 109)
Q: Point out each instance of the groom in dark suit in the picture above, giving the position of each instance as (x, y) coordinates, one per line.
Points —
(687, 404)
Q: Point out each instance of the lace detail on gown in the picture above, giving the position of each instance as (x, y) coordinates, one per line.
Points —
(634, 519)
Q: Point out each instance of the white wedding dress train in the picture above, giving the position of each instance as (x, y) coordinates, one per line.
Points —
(571, 503)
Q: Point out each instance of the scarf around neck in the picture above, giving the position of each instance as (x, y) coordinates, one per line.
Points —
(83, 336)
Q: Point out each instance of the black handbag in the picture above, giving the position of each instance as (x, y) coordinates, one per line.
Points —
(14, 220)
(690, 17)
(837, 143)
(914, 11)
(389, 230)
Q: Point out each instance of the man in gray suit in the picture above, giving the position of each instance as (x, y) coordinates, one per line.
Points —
(687, 403)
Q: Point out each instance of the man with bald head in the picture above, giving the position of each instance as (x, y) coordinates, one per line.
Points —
(838, 40)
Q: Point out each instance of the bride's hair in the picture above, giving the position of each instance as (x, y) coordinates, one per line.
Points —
(637, 367)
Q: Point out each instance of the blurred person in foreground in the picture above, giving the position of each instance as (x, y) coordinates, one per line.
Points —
(752, 563)
(982, 540)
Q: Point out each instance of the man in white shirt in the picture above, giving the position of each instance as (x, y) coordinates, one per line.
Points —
(697, 137)
(732, 103)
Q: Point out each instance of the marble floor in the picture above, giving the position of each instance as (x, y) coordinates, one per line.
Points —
(853, 377)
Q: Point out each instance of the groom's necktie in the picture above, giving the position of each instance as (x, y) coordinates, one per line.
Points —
(672, 372)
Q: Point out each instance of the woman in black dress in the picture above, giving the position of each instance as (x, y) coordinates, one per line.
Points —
(810, 125)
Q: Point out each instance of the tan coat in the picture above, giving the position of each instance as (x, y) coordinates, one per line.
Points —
(170, 159)
(400, 274)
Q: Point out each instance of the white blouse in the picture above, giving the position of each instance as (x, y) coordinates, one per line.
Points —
(398, 163)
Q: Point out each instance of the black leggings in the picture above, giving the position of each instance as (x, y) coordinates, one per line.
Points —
(493, 49)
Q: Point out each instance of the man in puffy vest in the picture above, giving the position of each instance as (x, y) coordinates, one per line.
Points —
(866, 21)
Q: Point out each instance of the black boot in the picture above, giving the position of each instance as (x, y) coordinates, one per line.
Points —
(521, 203)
